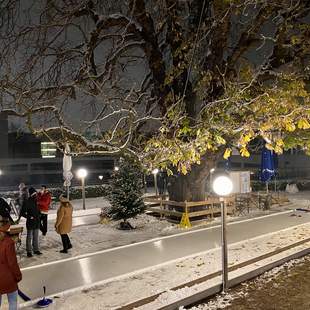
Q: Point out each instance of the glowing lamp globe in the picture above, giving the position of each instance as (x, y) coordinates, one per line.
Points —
(155, 171)
(82, 173)
(222, 185)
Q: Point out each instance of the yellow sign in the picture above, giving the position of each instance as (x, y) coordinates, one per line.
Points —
(185, 222)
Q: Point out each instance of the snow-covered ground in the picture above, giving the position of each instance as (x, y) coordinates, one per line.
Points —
(223, 301)
(133, 287)
(92, 238)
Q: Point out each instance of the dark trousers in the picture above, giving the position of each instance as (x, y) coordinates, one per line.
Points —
(66, 241)
(43, 223)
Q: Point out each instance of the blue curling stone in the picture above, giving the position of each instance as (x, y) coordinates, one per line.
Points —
(44, 303)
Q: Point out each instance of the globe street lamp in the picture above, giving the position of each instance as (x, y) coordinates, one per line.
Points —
(82, 174)
(100, 177)
(222, 186)
(155, 172)
(116, 168)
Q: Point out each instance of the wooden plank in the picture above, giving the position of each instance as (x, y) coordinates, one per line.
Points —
(168, 202)
(203, 212)
(203, 203)
(167, 212)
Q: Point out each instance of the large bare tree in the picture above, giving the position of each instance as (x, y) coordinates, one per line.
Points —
(177, 84)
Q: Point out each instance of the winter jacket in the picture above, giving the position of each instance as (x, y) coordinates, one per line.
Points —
(63, 223)
(44, 201)
(5, 209)
(31, 212)
(10, 273)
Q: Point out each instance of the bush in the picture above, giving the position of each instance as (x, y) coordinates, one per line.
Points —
(75, 192)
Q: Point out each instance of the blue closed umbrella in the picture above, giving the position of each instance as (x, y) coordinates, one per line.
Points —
(267, 166)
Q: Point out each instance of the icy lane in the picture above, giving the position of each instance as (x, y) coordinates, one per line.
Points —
(81, 271)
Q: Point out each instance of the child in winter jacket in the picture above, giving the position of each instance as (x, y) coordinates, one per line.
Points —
(10, 273)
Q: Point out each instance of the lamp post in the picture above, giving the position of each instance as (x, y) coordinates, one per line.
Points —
(222, 186)
(116, 168)
(100, 177)
(155, 172)
(82, 174)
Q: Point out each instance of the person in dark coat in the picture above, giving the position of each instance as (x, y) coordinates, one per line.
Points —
(31, 212)
(5, 210)
(63, 225)
(10, 273)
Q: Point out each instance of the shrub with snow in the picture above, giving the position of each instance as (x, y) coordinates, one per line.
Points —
(126, 190)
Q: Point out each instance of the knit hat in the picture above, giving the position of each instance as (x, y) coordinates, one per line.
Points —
(31, 191)
(63, 197)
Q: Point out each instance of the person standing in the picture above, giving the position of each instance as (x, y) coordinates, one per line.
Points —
(63, 225)
(22, 198)
(22, 195)
(44, 199)
(10, 273)
(31, 212)
(5, 210)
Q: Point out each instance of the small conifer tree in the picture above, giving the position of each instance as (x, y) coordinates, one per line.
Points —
(126, 190)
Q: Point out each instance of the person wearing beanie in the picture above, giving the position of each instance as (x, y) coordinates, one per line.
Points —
(63, 224)
(31, 212)
(10, 273)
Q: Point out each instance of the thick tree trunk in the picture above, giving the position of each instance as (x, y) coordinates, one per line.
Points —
(191, 187)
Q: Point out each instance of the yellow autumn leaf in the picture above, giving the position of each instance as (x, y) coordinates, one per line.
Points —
(209, 146)
(269, 146)
(245, 139)
(303, 124)
(266, 126)
(183, 169)
(244, 152)
(289, 126)
(278, 149)
(227, 153)
(279, 142)
(220, 140)
(169, 172)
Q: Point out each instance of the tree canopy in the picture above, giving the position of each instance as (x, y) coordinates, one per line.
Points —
(169, 82)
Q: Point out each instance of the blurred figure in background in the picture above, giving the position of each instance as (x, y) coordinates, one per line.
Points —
(10, 273)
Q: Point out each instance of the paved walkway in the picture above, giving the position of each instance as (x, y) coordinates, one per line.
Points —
(88, 269)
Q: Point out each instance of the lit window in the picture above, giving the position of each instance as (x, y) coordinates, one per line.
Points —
(48, 149)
